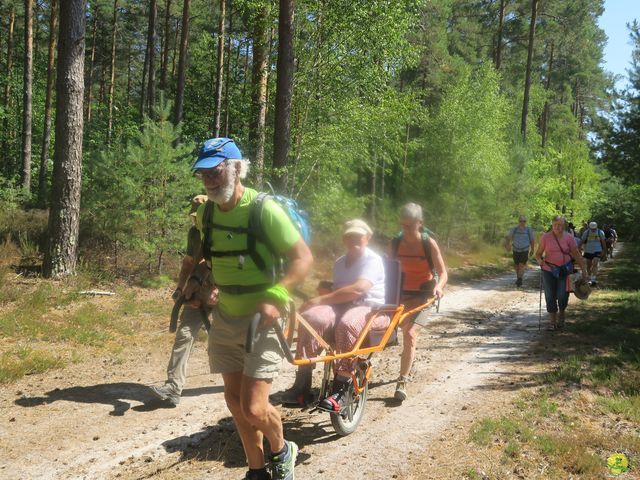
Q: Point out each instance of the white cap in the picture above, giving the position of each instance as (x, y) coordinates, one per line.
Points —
(593, 225)
(357, 226)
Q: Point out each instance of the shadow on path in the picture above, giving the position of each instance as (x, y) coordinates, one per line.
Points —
(119, 395)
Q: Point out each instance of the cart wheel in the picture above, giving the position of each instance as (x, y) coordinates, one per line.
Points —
(348, 420)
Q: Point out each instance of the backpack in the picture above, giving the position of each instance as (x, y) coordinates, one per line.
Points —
(426, 245)
(255, 234)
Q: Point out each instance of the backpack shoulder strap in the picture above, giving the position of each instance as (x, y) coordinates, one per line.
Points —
(207, 221)
(426, 245)
(257, 234)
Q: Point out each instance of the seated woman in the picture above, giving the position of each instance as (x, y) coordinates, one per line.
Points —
(358, 285)
(420, 258)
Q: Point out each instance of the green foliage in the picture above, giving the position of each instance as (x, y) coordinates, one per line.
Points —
(138, 193)
(619, 205)
(460, 163)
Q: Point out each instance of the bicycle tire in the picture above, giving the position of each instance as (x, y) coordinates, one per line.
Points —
(347, 422)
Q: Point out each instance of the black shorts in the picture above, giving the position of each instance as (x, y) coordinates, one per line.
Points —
(591, 256)
(520, 257)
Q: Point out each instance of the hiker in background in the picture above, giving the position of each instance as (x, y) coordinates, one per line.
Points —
(243, 266)
(521, 240)
(554, 255)
(358, 285)
(191, 316)
(425, 276)
(595, 249)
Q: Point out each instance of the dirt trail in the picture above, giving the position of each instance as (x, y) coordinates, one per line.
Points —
(99, 420)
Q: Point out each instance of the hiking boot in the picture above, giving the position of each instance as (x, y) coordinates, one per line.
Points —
(282, 465)
(401, 389)
(166, 393)
(299, 394)
(519, 282)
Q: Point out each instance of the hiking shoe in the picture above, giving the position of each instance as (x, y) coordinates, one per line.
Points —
(282, 465)
(519, 282)
(262, 475)
(166, 394)
(401, 390)
(299, 395)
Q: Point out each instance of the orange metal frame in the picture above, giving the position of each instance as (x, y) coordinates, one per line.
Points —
(398, 316)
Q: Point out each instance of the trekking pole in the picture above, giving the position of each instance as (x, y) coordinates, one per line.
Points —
(540, 303)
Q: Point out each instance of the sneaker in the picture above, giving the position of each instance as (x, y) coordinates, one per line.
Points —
(257, 476)
(519, 282)
(401, 389)
(282, 465)
(166, 394)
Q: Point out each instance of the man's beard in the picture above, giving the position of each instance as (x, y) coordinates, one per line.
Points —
(223, 193)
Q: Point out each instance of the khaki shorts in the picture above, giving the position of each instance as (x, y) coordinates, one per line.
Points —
(227, 350)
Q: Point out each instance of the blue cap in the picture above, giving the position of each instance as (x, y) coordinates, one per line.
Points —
(215, 151)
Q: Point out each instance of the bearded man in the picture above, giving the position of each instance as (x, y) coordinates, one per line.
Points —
(239, 273)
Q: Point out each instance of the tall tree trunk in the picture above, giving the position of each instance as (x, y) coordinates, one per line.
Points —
(64, 217)
(259, 92)
(217, 107)
(165, 49)
(227, 74)
(527, 78)
(143, 86)
(129, 77)
(175, 49)
(91, 66)
(27, 99)
(7, 92)
(284, 93)
(547, 109)
(151, 46)
(112, 79)
(499, 39)
(182, 64)
(46, 134)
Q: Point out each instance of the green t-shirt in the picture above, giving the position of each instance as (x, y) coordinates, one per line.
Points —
(226, 270)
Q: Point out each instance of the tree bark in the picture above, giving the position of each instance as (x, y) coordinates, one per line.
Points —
(499, 39)
(112, 79)
(7, 91)
(527, 78)
(165, 50)
(182, 64)
(46, 134)
(547, 108)
(227, 75)
(64, 217)
(27, 99)
(151, 48)
(284, 93)
(91, 65)
(259, 92)
(217, 107)
(175, 49)
(129, 76)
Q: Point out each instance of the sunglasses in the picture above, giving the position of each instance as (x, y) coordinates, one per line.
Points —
(211, 174)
